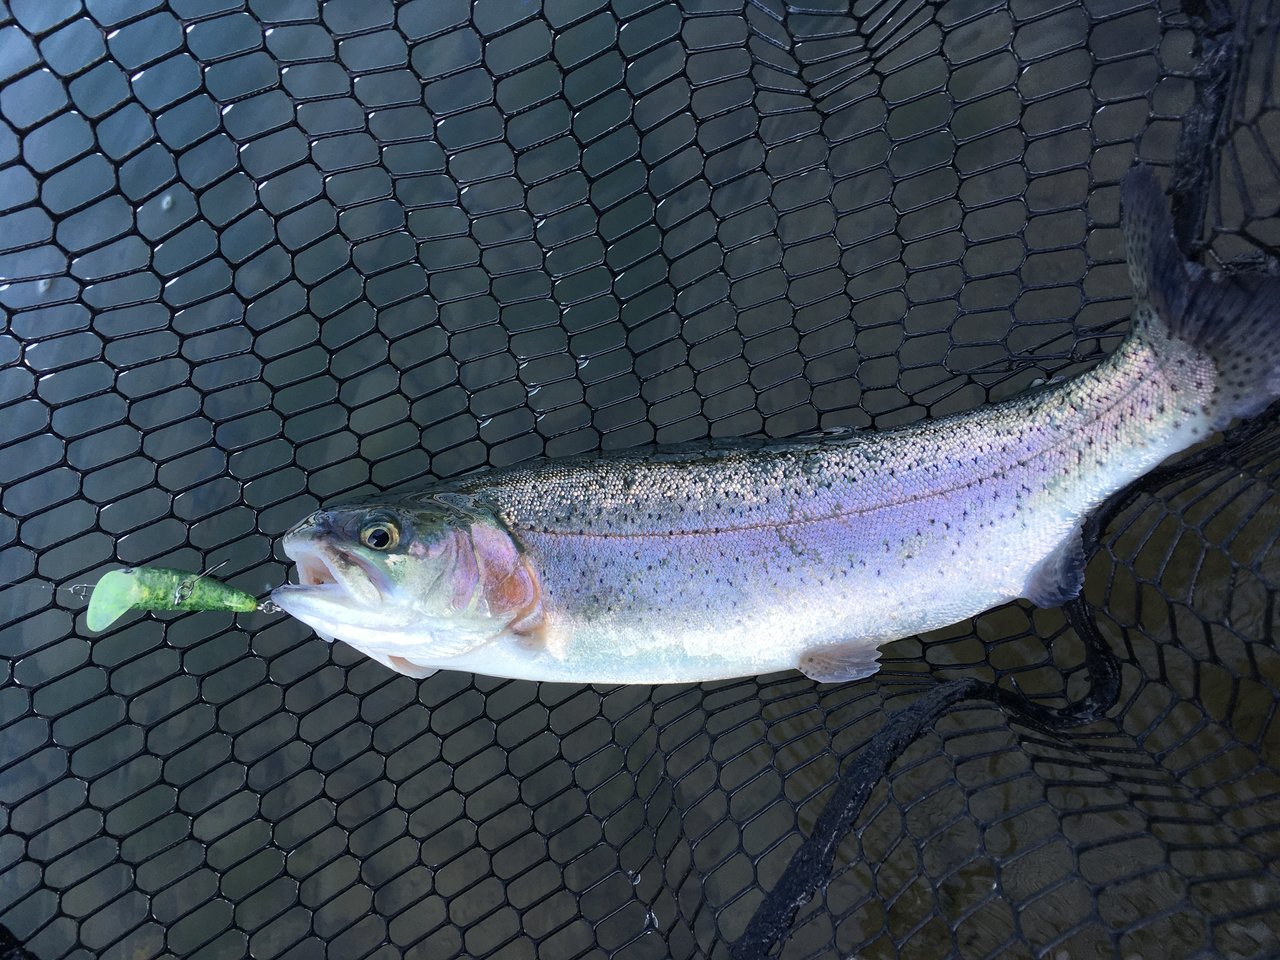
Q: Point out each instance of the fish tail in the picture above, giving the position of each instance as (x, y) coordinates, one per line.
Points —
(1232, 319)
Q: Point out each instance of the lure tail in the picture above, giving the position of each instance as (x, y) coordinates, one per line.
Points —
(1230, 319)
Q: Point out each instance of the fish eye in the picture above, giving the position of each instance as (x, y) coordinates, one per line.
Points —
(380, 535)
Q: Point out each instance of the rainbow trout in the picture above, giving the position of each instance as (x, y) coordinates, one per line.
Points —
(686, 564)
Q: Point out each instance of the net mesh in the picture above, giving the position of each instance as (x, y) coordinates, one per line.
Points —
(256, 256)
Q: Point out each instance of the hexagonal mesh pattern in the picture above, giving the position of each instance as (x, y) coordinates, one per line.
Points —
(259, 255)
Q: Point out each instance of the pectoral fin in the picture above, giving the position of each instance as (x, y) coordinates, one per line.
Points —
(401, 665)
(840, 662)
(410, 669)
(1059, 577)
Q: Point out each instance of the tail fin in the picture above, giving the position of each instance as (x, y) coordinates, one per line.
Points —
(1233, 318)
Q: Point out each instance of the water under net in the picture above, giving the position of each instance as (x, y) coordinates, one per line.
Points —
(256, 256)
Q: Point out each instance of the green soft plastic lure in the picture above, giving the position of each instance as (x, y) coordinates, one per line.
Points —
(159, 588)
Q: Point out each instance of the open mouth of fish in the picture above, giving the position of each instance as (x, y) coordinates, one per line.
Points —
(335, 574)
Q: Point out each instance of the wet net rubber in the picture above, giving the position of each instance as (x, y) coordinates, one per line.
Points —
(255, 257)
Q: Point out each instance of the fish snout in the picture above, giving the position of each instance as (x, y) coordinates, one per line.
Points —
(315, 529)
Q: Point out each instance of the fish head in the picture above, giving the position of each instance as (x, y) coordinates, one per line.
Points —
(410, 582)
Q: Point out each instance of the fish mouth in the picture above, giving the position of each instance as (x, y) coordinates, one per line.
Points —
(336, 575)
(313, 571)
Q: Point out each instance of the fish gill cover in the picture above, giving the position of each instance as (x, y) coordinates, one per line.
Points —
(257, 256)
